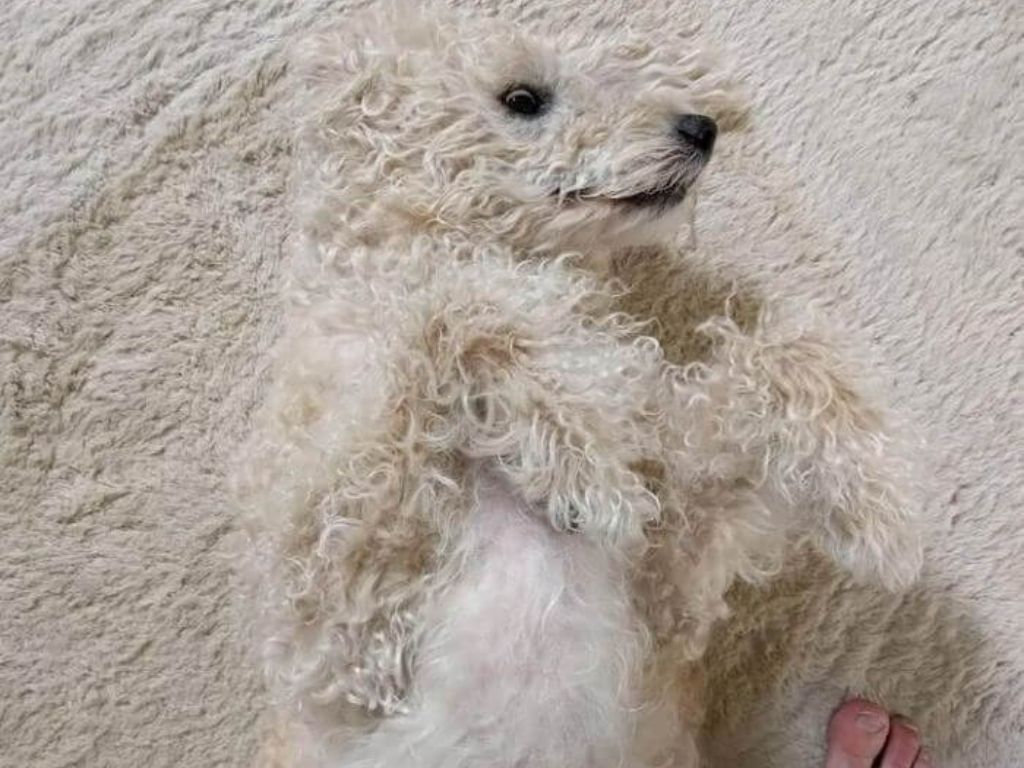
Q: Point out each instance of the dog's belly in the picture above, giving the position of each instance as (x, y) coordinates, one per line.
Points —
(530, 657)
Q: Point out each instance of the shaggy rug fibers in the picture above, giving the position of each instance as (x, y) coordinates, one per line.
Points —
(145, 150)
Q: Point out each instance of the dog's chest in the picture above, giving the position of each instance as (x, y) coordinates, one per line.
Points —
(676, 296)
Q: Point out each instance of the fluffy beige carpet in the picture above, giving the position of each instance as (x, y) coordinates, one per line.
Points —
(145, 151)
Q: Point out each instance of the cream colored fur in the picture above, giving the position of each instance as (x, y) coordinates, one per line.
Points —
(489, 522)
(145, 226)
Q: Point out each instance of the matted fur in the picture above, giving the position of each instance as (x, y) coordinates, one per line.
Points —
(488, 521)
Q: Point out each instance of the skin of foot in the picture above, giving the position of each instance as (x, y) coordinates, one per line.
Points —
(864, 735)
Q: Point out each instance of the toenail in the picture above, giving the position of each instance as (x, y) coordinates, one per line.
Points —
(924, 760)
(903, 721)
(870, 721)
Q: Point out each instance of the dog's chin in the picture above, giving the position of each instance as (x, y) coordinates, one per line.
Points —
(652, 227)
(610, 220)
(649, 221)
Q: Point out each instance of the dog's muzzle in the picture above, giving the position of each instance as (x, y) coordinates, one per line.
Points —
(696, 136)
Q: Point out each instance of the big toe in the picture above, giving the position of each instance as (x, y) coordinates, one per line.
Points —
(856, 735)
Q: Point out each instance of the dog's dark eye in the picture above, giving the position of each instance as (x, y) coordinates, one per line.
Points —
(524, 101)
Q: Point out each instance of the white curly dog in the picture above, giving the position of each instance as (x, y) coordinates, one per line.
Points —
(487, 521)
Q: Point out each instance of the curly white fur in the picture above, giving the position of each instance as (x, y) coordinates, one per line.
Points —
(487, 520)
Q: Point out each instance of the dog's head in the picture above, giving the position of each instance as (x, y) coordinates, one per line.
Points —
(554, 142)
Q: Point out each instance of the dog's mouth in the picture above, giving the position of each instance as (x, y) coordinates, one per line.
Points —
(661, 197)
(657, 197)
(671, 174)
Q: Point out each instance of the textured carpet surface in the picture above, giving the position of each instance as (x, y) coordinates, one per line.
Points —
(143, 217)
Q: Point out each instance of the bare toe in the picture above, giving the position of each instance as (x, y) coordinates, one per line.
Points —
(924, 760)
(903, 746)
(857, 734)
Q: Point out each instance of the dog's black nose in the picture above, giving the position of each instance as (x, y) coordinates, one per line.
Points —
(697, 131)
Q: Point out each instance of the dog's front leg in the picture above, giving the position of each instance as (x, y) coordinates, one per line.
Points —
(347, 509)
(557, 401)
(778, 414)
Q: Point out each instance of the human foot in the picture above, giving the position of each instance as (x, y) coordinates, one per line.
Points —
(863, 735)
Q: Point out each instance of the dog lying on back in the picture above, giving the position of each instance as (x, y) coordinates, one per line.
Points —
(487, 522)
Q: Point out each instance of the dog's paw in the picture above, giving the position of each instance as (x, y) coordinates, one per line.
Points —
(581, 495)
(617, 514)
